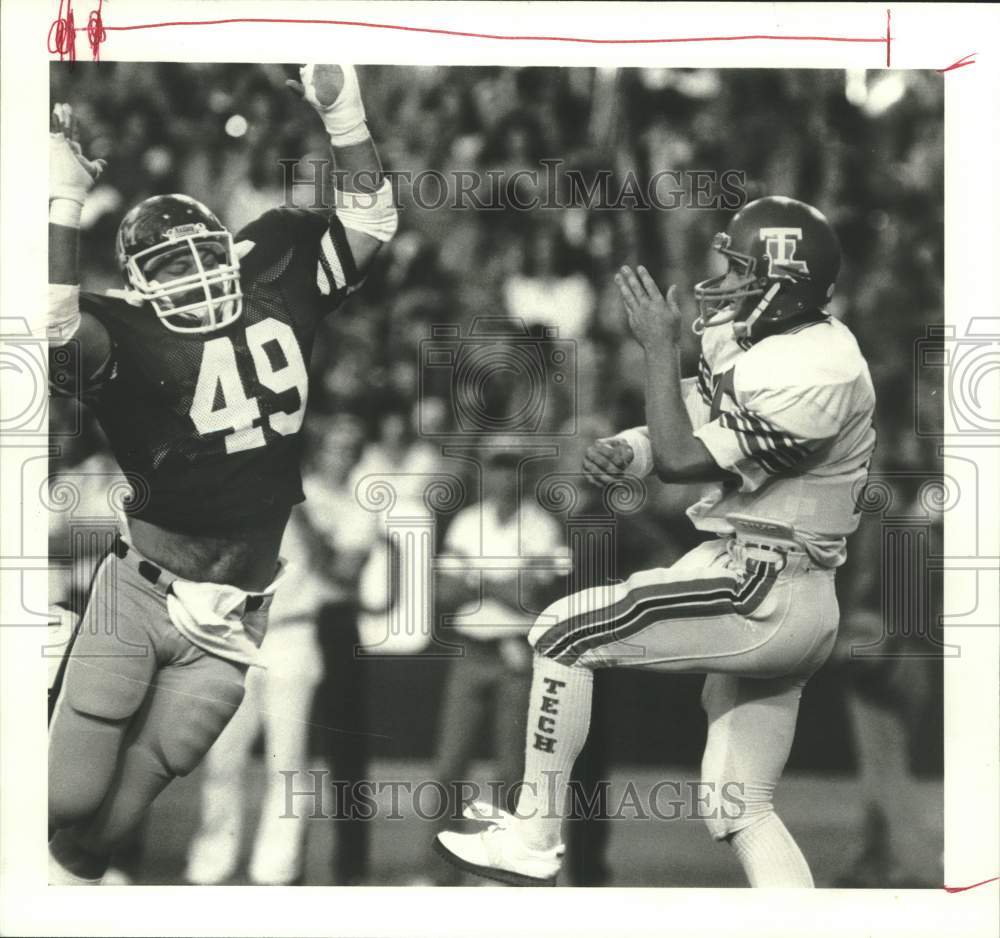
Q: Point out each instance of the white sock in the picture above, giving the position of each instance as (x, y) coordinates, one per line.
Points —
(770, 856)
(558, 723)
(59, 875)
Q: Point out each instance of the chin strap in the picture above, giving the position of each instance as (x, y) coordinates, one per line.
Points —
(744, 328)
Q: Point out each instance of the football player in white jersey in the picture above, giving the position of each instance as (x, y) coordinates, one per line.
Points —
(778, 424)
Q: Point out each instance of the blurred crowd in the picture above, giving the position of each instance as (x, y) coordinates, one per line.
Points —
(866, 148)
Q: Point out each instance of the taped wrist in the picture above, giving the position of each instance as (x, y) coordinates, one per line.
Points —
(642, 449)
(344, 120)
(67, 178)
(65, 211)
(63, 318)
(371, 213)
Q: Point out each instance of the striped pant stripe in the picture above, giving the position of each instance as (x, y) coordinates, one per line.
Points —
(567, 641)
(604, 617)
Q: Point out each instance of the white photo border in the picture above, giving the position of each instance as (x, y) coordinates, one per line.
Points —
(925, 36)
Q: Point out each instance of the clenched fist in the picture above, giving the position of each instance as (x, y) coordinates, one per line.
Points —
(606, 460)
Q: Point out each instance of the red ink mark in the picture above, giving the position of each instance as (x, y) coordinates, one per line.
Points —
(453, 32)
(62, 33)
(985, 881)
(888, 38)
(961, 63)
(96, 33)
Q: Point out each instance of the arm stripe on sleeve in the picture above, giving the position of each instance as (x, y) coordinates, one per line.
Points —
(323, 275)
(758, 439)
(704, 380)
(342, 251)
(330, 269)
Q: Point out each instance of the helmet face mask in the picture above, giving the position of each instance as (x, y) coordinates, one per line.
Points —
(783, 258)
(167, 232)
(724, 298)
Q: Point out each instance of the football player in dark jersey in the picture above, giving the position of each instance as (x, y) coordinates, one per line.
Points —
(197, 374)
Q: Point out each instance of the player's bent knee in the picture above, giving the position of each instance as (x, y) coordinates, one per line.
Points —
(720, 826)
(543, 623)
(547, 624)
(730, 806)
(537, 631)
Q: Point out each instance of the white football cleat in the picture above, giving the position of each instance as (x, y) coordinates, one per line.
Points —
(498, 852)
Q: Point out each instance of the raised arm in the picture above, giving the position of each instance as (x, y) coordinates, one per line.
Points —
(85, 344)
(655, 321)
(364, 200)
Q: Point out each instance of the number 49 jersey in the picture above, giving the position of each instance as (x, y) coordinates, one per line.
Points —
(207, 425)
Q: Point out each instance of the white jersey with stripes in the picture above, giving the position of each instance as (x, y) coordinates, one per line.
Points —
(792, 416)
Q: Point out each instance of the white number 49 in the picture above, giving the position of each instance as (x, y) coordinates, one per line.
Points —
(238, 413)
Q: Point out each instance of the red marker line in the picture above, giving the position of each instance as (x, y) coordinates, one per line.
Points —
(96, 33)
(62, 32)
(888, 38)
(961, 63)
(974, 885)
(468, 35)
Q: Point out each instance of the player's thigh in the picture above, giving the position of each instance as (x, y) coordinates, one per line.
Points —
(189, 707)
(760, 624)
(686, 618)
(229, 753)
(110, 666)
(108, 674)
(190, 704)
(591, 616)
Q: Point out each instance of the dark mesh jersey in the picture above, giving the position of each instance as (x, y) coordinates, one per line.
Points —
(207, 426)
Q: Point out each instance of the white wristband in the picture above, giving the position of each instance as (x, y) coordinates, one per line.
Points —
(63, 319)
(358, 135)
(65, 212)
(372, 213)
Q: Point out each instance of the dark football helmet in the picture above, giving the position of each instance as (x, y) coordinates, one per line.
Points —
(174, 253)
(783, 261)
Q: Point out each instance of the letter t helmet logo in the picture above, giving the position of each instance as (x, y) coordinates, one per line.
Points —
(780, 244)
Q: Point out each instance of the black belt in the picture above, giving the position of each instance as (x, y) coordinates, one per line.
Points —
(151, 572)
